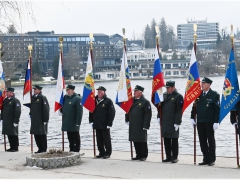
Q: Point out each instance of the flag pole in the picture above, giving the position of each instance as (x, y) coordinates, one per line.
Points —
(235, 115)
(61, 56)
(159, 107)
(91, 53)
(125, 49)
(4, 136)
(194, 104)
(30, 62)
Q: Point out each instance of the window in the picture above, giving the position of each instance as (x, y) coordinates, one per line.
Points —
(175, 73)
(110, 75)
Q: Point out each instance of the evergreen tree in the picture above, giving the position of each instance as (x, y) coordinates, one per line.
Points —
(147, 37)
(171, 37)
(55, 66)
(153, 34)
(11, 29)
(36, 71)
(163, 35)
(182, 57)
(174, 56)
(165, 57)
(190, 46)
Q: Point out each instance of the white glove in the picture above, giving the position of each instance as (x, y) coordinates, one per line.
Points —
(145, 129)
(215, 126)
(15, 125)
(44, 123)
(127, 123)
(1, 121)
(193, 122)
(108, 127)
(159, 121)
(59, 113)
(235, 124)
(29, 117)
(176, 127)
(91, 125)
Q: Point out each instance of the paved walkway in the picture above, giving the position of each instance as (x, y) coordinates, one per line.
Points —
(118, 166)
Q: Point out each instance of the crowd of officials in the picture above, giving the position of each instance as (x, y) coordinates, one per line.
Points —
(206, 107)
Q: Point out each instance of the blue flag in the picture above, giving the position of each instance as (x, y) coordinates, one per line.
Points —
(230, 93)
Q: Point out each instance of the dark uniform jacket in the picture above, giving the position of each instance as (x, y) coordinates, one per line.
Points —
(39, 112)
(171, 114)
(104, 113)
(139, 117)
(235, 116)
(11, 111)
(207, 107)
(72, 113)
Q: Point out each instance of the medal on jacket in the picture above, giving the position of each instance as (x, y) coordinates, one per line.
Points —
(10, 102)
(37, 99)
(207, 105)
(139, 104)
(172, 99)
(70, 102)
(103, 105)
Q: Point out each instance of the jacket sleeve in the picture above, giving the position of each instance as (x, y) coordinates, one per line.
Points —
(111, 113)
(178, 112)
(126, 117)
(79, 109)
(17, 111)
(193, 109)
(233, 115)
(147, 115)
(216, 108)
(46, 109)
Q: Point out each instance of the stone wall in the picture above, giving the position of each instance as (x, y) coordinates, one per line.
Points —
(47, 163)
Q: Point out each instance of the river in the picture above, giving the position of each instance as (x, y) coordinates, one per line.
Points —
(225, 136)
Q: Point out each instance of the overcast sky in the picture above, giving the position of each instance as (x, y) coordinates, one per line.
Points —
(109, 17)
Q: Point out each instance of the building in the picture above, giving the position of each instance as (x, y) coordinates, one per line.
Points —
(207, 34)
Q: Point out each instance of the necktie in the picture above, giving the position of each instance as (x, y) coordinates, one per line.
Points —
(204, 94)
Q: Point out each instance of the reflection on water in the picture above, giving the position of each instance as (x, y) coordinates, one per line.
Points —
(225, 137)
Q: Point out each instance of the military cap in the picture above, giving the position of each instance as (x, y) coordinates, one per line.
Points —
(101, 88)
(207, 80)
(10, 89)
(170, 84)
(140, 88)
(70, 87)
(37, 87)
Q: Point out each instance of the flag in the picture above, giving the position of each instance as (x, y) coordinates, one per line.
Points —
(158, 80)
(60, 86)
(230, 93)
(27, 85)
(2, 85)
(88, 98)
(124, 94)
(193, 87)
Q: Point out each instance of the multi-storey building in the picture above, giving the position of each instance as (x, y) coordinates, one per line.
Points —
(207, 34)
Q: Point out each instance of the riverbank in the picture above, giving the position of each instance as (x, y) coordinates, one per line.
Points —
(118, 165)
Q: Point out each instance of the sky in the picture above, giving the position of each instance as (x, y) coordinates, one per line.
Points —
(109, 17)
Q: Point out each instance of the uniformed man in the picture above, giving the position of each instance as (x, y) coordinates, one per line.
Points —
(102, 119)
(235, 117)
(207, 110)
(171, 120)
(10, 115)
(72, 111)
(139, 118)
(39, 113)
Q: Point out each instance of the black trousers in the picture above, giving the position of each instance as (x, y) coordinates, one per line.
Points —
(141, 149)
(104, 142)
(171, 148)
(207, 141)
(41, 141)
(74, 141)
(13, 141)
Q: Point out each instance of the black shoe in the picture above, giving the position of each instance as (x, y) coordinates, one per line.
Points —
(37, 152)
(99, 156)
(106, 157)
(166, 160)
(14, 150)
(9, 150)
(136, 158)
(143, 159)
(202, 163)
(211, 163)
(174, 160)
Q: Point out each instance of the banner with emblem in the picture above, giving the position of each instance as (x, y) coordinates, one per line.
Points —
(193, 87)
(158, 80)
(2, 85)
(124, 92)
(230, 93)
(88, 98)
(27, 86)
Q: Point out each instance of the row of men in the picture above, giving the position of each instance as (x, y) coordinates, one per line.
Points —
(139, 117)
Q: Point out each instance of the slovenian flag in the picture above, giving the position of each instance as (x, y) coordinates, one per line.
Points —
(60, 86)
(88, 98)
(124, 93)
(158, 80)
(27, 85)
(193, 88)
(2, 85)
